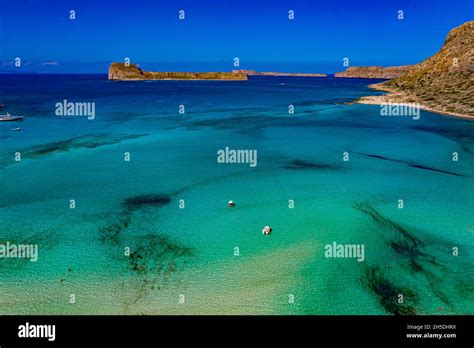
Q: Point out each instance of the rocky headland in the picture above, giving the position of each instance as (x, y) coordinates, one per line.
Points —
(443, 83)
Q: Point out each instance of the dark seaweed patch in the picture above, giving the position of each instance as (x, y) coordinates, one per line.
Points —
(301, 164)
(381, 157)
(419, 166)
(387, 223)
(155, 259)
(413, 165)
(157, 254)
(111, 234)
(411, 251)
(88, 141)
(403, 242)
(149, 200)
(387, 292)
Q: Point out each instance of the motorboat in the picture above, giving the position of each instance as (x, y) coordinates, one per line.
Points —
(7, 117)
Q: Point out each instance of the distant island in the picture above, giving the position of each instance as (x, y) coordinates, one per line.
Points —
(443, 83)
(374, 72)
(122, 71)
(257, 73)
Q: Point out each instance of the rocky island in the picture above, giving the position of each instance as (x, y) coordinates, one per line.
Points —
(268, 73)
(443, 83)
(122, 71)
(374, 72)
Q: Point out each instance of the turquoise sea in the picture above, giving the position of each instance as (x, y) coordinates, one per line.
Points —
(192, 254)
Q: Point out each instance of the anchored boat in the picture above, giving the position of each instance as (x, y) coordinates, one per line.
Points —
(8, 117)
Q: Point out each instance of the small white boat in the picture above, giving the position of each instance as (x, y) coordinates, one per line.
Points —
(7, 117)
(16, 129)
(267, 230)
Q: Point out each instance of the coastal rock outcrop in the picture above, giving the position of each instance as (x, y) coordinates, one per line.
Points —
(443, 83)
(120, 71)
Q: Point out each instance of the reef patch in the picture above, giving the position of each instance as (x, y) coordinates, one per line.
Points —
(155, 259)
(387, 292)
(413, 165)
(88, 141)
(298, 164)
(131, 204)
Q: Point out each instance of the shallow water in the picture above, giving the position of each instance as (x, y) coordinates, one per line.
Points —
(183, 260)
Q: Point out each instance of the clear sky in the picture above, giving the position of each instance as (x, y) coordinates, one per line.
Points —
(215, 31)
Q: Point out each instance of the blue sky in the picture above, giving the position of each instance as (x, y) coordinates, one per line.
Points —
(214, 32)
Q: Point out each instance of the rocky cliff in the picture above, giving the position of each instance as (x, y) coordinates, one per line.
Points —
(445, 81)
(119, 71)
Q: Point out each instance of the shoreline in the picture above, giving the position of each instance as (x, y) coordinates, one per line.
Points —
(394, 96)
